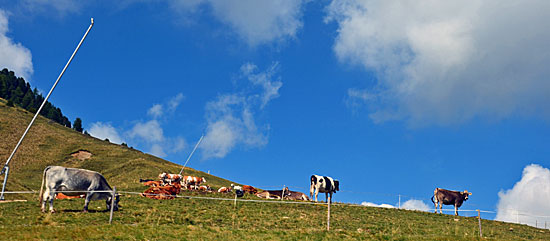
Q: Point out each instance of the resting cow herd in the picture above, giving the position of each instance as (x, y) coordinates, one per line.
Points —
(61, 182)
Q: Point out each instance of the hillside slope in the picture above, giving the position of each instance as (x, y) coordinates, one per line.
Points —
(49, 143)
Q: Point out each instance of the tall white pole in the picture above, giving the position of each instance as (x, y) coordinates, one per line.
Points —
(194, 149)
(6, 168)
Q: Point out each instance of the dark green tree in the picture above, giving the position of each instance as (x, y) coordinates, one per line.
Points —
(77, 125)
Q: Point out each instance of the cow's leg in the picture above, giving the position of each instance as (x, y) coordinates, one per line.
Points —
(440, 204)
(456, 210)
(316, 193)
(51, 197)
(326, 197)
(87, 201)
(45, 198)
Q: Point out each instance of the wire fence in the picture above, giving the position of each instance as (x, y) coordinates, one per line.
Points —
(544, 219)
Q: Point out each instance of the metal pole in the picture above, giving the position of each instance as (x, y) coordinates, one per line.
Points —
(195, 148)
(112, 205)
(6, 169)
(43, 103)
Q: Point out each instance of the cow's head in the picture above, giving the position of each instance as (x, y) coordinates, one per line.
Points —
(109, 200)
(336, 185)
(162, 175)
(465, 194)
(286, 192)
(203, 179)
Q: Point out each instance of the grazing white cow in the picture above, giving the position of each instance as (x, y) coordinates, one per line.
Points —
(59, 179)
(323, 184)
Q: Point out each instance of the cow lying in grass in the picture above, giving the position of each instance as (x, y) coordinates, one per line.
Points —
(297, 196)
(274, 194)
(162, 192)
(249, 189)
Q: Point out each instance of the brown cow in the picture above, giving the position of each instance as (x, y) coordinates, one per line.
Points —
(204, 188)
(448, 197)
(249, 189)
(153, 183)
(191, 182)
(224, 190)
(274, 194)
(162, 192)
(297, 196)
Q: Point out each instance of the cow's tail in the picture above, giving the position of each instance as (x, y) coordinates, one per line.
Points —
(433, 200)
(42, 185)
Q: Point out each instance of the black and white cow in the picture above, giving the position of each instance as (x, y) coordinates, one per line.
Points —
(323, 184)
(59, 179)
(448, 197)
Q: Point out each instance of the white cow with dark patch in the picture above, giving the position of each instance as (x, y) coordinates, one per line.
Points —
(59, 179)
(323, 184)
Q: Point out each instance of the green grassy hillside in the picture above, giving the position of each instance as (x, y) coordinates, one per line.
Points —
(141, 218)
(49, 143)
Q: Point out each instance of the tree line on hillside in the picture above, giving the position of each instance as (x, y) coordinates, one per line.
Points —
(18, 92)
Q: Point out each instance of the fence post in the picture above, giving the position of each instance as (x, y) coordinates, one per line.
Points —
(479, 219)
(328, 213)
(112, 205)
(399, 201)
(235, 203)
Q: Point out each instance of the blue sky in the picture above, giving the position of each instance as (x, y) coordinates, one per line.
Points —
(389, 97)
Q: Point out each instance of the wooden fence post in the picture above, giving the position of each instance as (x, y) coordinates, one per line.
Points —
(328, 213)
(235, 203)
(479, 219)
(112, 205)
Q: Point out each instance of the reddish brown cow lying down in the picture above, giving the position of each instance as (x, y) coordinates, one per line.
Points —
(249, 189)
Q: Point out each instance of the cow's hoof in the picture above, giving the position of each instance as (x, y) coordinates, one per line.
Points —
(43, 210)
(52, 211)
(84, 211)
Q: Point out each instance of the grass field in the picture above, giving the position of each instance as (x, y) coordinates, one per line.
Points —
(197, 219)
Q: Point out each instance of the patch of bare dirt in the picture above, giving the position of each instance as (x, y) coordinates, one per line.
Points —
(82, 155)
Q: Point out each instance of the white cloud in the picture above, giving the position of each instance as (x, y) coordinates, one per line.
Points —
(255, 21)
(148, 134)
(13, 56)
(61, 7)
(175, 102)
(529, 197)
(411, 204)
(105, 130)
(149, 131)
(157, 150)
(384, 205)
(414, 204)
(230, 122)
(155, 111)
(263, 79)
(444, 62)
(231, 117)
